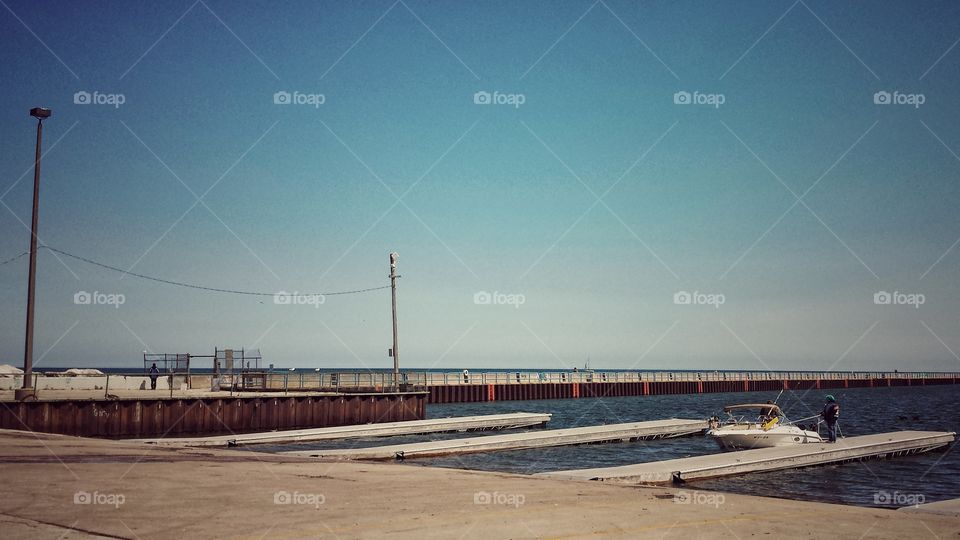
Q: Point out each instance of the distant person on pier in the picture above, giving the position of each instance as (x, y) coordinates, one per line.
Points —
(154, 373)
(830, 414)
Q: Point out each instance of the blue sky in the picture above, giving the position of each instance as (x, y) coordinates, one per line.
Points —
(739, 151)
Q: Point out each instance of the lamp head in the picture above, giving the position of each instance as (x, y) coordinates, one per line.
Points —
(40, 112)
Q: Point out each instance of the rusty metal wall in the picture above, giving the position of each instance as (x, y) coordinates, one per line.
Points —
(463, 393)
(124, 418)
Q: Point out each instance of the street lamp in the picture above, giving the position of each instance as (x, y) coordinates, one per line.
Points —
(394, 352)
(27, 390)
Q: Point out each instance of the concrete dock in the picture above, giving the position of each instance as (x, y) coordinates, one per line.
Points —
(949, 507)
(386, 429)
(58, 487)
(455, 386)
(766, 459)
(632, 431)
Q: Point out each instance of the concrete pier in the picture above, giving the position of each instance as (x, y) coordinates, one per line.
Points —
(949, 507)
(57, 487)
(455, 386)
(526, 386)
(766, 459)
(386, 429)
(656, 429)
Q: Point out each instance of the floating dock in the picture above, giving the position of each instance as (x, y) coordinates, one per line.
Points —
(657, 429)
(879, 445)
(386, 429)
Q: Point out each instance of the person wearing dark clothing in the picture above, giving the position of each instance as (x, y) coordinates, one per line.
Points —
(830, 414)
(767, 413)
(154, 373)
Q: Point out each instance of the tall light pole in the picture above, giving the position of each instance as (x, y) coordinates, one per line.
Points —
(393, 295)
(27, 390)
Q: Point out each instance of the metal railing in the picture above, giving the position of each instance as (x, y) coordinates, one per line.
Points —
(375, 380)
(369, 380)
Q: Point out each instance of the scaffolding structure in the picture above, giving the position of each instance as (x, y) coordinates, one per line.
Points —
(173, 365)
(233, 369)
(238, 369)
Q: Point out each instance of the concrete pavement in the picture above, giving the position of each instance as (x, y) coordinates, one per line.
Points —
(61, 487)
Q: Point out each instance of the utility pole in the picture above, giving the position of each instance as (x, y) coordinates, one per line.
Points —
(27, 391)
(395, 352)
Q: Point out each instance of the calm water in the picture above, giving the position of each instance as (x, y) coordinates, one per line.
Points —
(935, 476)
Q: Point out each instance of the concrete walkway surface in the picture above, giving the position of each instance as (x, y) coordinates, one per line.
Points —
(56, 486)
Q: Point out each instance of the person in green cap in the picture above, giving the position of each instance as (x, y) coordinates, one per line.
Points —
(830, 414)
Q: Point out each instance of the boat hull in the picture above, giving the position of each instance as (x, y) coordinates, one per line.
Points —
(745, 439)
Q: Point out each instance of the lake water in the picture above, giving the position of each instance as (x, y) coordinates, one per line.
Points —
(926, 477)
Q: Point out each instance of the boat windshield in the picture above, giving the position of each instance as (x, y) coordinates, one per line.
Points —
(767, 409)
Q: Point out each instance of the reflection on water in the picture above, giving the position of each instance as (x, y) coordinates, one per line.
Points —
(934, 476)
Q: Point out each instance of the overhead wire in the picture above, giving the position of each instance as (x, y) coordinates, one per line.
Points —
(11, 259)
(192, 285)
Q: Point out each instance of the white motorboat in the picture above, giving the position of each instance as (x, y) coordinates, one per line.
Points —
(756, 425)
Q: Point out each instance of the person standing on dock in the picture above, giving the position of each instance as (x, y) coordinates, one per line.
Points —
(830, 414)
(154, 373)
(767, 413)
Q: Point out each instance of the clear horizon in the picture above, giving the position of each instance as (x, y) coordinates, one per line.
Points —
(697, 186)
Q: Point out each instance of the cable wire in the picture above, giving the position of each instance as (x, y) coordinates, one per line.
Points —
(201, 287)
(10, 260)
